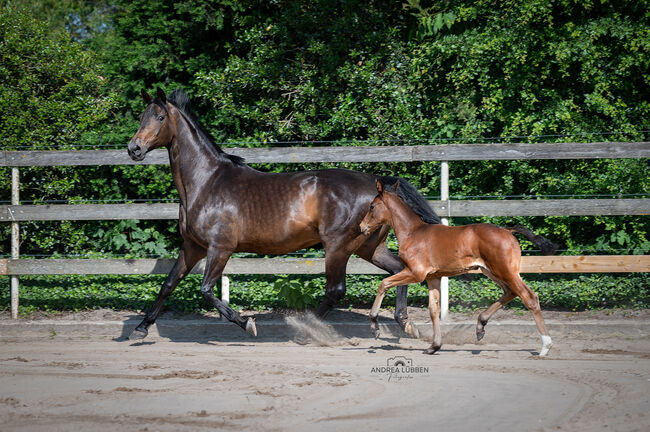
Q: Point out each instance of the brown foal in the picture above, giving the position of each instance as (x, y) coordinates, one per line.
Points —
(430, 252)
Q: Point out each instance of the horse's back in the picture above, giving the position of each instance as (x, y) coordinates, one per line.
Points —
(282, 212)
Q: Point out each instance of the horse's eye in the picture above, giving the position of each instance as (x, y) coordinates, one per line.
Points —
(372, 207)
(161, 118)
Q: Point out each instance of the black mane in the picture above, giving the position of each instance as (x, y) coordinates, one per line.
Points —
(181, 101)
(413, 198)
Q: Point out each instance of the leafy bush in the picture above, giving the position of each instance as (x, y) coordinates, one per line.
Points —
(339, 73)
(73, 293)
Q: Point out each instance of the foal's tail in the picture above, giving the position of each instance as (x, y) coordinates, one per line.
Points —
(547, 246)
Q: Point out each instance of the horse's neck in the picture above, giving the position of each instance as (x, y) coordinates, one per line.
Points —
(404, 219)
(192, 162)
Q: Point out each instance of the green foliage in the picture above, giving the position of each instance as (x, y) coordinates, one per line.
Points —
(261, 74)
(51, 93)
(298, 293)
(73, 293)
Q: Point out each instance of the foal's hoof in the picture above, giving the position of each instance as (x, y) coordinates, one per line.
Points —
(251, 329)
(480, 334)
(412, 330)
(138, 334)
(431, 350)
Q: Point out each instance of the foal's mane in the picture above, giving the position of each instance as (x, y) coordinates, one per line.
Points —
(412, 198)
(181, 100)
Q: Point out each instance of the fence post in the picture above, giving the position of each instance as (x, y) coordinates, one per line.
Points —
(225, 289)
(15, 239)
(444, 196)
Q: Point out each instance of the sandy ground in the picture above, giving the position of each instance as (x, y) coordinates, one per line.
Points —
(61, 383)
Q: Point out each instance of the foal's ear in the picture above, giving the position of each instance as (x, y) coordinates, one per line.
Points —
(380, 187)
(146, 96)
(161, 95)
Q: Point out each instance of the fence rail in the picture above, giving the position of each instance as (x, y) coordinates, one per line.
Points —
(446, 208)
(449, 208)
(443, 152)
(308, 266)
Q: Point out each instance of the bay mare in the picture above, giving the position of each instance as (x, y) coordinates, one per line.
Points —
(430, 252)
(227, 206)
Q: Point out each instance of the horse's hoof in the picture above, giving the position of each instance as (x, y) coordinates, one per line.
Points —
(480, 334)
(375, 332)
(412, 330)
(251, 329)
(547, 343)
(301, 338)
(431, 350)
(138, 334)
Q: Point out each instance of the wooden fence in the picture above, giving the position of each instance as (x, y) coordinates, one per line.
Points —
(446, 208)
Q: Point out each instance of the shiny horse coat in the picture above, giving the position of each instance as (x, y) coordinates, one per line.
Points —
(430, 252)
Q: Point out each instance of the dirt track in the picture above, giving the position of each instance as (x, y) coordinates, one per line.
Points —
(99, 383)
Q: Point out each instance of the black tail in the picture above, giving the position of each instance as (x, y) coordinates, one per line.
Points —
(547, 246)
(413, 198)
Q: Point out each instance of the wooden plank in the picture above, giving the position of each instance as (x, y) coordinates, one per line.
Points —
(79, 158)
(453, 208)
(586, 264)
(53, 212)
(521, 151)
(260, 266)
(440, 152)
(558, 207)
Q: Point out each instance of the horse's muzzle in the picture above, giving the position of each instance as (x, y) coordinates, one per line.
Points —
(135, 151)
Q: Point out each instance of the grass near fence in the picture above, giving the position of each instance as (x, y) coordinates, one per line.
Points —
(73, 293)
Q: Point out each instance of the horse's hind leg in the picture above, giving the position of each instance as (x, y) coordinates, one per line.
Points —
(335, 265)
(531, 301)
(215, 263)
(487, 314)
(187, 258)
(434, 311)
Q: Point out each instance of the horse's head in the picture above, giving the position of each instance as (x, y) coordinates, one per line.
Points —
(378, 214)
(155, 126)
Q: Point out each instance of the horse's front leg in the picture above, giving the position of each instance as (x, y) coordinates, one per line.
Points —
(404, 277)
(189, 255)
(434, 310)
(215, 263)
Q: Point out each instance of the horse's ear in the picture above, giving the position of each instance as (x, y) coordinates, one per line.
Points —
(146, 96)
(161, 95)
(380, 187)
(396, 186)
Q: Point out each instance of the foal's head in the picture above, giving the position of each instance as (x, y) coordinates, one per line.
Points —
(156, 129)
(378, 214)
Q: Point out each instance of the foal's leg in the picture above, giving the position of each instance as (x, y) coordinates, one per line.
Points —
(386, 260)
(215, 262)
(434, 310)
(487, 314)
(389, 262)
(404, 277)
(531, 301)
(187, 258)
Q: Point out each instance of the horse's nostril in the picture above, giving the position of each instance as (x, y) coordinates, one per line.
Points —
(136, 150)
